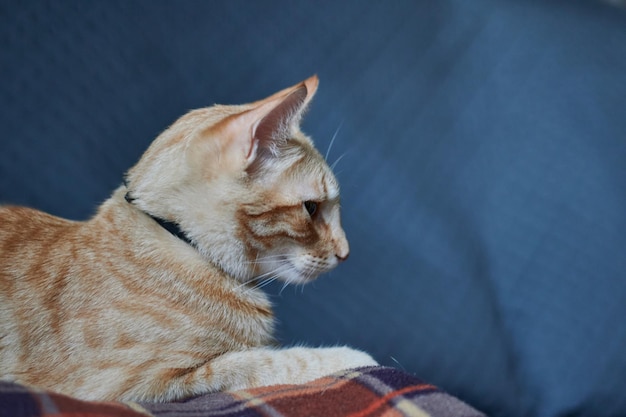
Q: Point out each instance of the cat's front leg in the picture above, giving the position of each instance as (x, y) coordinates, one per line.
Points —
(265, 366)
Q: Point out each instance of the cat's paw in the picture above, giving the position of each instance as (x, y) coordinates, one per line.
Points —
(319, 362)
(265, 366)
(347, 358)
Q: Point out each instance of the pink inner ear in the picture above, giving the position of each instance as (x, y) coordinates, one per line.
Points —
(277, 125)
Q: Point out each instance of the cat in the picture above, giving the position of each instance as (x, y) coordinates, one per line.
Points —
(156, 298)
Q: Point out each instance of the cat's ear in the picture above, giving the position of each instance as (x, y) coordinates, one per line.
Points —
(258, 133)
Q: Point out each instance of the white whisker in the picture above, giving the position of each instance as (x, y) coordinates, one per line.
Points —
(261, 283)
(257, 278)
(330, 146)
(265, 282)
(267, 277)
(269, 261)
(332, 167)
(243, 284)
(267, 258)
(285, 284)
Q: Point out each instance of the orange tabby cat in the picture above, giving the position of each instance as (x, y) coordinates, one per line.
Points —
(156, 298)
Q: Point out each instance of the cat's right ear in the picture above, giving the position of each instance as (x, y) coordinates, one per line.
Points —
(256, 135)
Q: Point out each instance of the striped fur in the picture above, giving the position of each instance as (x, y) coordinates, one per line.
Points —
(116, 307)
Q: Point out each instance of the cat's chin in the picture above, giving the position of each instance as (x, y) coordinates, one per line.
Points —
(298, 278)
(289, 272)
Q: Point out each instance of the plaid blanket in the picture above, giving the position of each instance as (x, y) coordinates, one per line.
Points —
(374, 391)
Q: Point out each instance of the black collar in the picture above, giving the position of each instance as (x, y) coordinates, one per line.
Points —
(170, 226)
(173, 228)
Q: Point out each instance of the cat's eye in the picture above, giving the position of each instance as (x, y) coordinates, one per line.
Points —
(311, 207)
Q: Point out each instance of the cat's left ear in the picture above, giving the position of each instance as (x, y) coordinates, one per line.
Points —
(262, 129)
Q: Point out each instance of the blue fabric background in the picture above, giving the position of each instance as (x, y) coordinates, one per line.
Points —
(483, 166)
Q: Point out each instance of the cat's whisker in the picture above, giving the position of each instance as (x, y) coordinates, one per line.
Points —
(285, 285)
(261, 283)
(255, 278)
(267, 259)
(309, 275)
(273, 259)
(264, 261)
(332, 141)
(266, 282)
(267, 277)
(334, 164)
(270, 274)
(280, 255)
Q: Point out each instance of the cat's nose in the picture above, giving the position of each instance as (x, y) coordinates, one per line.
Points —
(342, 258)
(342, 249)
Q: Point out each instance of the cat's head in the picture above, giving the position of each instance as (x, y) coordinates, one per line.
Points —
(247, 187)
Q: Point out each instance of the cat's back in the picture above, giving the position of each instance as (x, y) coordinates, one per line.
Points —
(27, 235)
(23, 224)
(23, 228)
